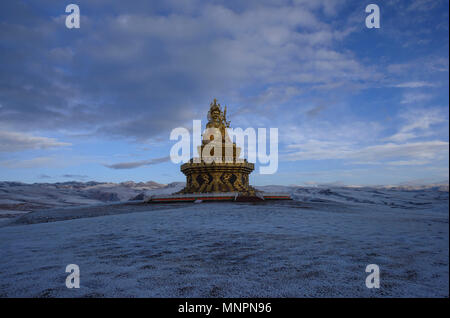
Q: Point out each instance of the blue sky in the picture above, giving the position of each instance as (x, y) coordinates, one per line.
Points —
(353, 105)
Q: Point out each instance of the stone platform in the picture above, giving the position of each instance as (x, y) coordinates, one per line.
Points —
(225, 196)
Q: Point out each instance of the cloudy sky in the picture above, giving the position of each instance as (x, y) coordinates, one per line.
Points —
(353, 105)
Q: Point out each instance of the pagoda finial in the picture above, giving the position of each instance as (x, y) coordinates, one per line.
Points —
(214, 104)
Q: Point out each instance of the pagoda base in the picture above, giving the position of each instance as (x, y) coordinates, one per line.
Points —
(218, 177)
(227, 196)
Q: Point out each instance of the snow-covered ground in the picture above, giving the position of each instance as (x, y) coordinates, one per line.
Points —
(317, 245)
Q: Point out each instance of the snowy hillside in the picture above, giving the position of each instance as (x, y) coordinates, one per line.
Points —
(17, 197)
(316, 245)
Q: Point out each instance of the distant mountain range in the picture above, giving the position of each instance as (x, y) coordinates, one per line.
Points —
(22, 197)
(441, 186)
(18, 197)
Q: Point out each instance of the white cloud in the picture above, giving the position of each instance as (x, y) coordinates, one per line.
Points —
(359, 142)
(417, 151)
(409, 163)
(420, 67)
(52, 161)
(418, 123)
(410, 98)
(414, 84)
(15, 141)
(30, 163)
(136, 164)
(267, 44)
(422, 5)
(423, 150)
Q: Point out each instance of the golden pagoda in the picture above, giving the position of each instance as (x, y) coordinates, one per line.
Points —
(218, 168)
